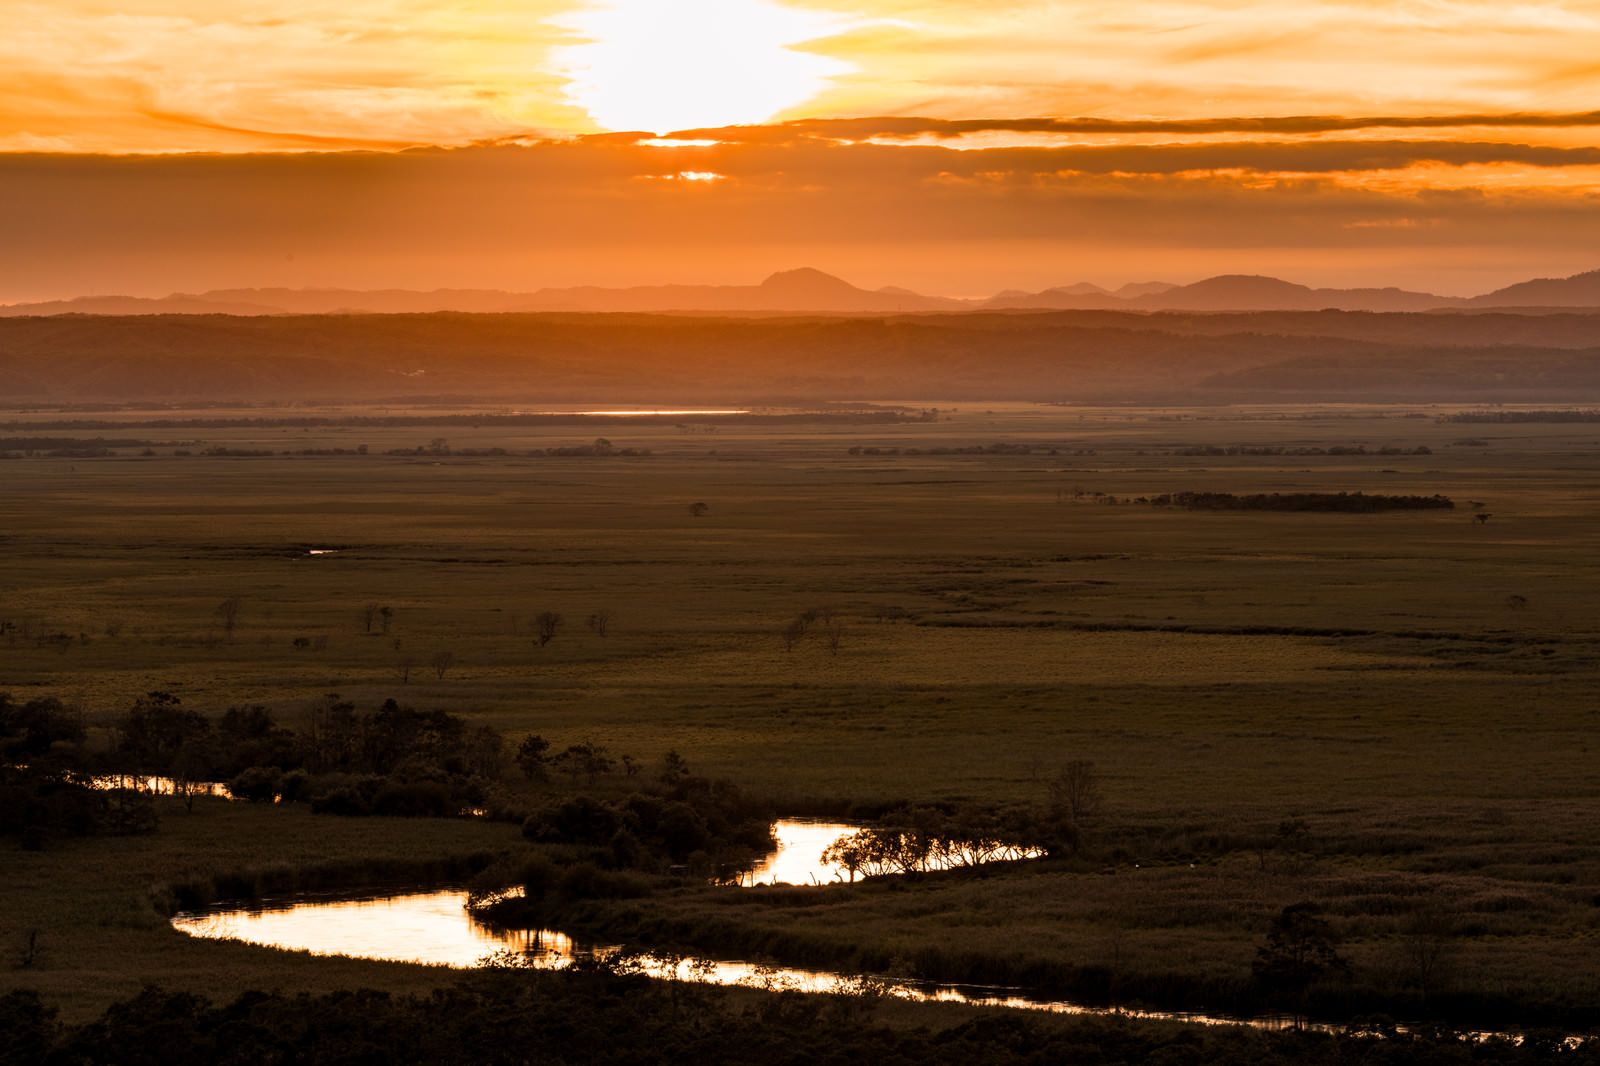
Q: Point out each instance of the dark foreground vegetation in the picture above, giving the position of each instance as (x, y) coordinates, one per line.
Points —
(601, 1013)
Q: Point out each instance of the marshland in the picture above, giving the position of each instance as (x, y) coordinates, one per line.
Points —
(905, 615)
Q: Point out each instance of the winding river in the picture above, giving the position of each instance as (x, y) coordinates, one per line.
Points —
(436, 928)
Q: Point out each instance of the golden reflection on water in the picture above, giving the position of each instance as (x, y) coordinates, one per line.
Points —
(435, 927)
(159, 786)
(798, 860)
(427, 927)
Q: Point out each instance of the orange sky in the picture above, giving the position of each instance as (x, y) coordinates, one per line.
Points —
(959, 148)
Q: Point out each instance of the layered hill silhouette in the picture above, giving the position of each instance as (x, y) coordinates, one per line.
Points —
(808, 290)
(788, 291)
(1579, 290)
(1098, 356)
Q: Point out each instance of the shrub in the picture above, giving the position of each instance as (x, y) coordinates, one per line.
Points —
(258, 784)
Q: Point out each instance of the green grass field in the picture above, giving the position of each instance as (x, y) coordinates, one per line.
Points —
(1412, 676)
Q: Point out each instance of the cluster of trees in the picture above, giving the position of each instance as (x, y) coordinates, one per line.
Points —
(912, 840)
(1570, 415)
(393, 760)
(674, 820)
(42, 796)
(1346, 502)
(33, 730)
(919, 839)
(69, 445)
(593, 846)
(586, 761)
(999, 448)
(600, 448)
(1336, 449)
(39, 804)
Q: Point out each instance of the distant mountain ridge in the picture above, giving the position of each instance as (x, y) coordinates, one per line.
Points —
(1579, 290)
(810, 291)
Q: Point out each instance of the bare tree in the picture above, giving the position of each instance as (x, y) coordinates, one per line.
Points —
(600, 622)
(1426, 946)
(30, 951)
(227, 613)
(190, 767)
(369, 615)
(1075, 791)
(443, 661)
(833, 632)
(793, 633)
(387, 614)
(404, 665)
(547, 624)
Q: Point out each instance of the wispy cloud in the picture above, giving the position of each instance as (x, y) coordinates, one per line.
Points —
(906, 127)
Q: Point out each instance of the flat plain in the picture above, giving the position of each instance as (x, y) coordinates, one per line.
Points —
(996, 596)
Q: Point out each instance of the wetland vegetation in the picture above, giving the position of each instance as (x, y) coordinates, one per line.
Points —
(1351, 737)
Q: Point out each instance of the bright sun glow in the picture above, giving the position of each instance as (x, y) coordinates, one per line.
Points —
(650, 65)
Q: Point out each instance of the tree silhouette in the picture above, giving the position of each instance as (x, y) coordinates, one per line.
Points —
(531, 757)
(548, 624)
(1301, 947)
(228, 614)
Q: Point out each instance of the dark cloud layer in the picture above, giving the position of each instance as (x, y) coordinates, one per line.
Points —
(609, 209)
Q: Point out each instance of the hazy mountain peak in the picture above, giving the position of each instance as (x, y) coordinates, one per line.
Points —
(1081, 288)
(1144, 288)
(1578, 290)
(1247, 282)
(807, 279)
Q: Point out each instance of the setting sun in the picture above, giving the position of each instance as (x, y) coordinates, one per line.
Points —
(649, 66)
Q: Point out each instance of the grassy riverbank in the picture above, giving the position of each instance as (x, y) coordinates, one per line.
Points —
(85, 922)
(605, 1017)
